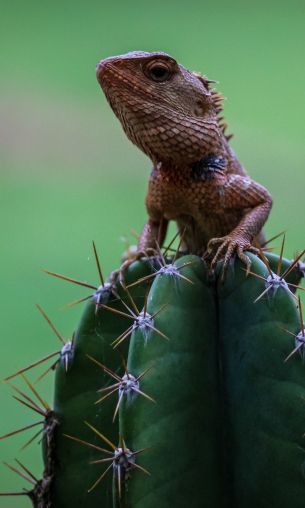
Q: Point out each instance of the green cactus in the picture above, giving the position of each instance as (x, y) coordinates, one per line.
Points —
(181, 389)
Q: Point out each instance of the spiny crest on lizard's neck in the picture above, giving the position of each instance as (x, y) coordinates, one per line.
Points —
(170, 113)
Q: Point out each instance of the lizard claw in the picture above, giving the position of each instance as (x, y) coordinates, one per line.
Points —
(118, 276)
(227, 247)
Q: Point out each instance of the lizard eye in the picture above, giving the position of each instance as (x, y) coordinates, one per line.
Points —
(158, 71)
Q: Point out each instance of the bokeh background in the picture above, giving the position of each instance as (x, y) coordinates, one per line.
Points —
(68, 175)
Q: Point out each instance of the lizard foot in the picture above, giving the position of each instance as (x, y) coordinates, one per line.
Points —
(226, 247)
(117, 276)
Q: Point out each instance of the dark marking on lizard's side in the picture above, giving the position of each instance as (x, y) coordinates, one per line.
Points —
(205, 168)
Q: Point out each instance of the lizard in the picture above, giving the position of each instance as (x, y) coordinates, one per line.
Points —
(173, 116)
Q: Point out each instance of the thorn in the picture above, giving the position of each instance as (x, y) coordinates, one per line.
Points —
(27, 427)
(86, 443)
(27, 470)
(281, 256)
(262, 294)
(100, 479)
(31, 440)
(25, 493)
(106, 369)
(134, 234)
(116, 311)
(30, 480)
(295, 350)
(158, 332)
(117, 406)
(179, 245)
(266, 263)
(254, 274)
(38, 362)
(292, 265)
(52, 367)
(145, 395)
(98, 433)
(273, 238)
(31, 401)
(141, 468)
(98, 264)
(107, 395)
(43, 402)
(133, 303)
(70, 279)
(160, 253)
(121, 339)
(301, 316)
(51, 324)
(76, 302)
(142, 279)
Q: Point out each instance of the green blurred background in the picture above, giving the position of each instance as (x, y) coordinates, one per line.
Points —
(68, 175)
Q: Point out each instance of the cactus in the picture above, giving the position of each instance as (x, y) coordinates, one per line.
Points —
(178, 388)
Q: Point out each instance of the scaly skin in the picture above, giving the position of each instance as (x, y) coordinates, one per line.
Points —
(172, 115)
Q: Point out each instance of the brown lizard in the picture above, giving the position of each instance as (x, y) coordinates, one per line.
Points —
(173, 116)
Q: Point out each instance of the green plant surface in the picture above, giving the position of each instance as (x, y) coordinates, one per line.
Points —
(76, 394)
(181, 430)
(263, 394)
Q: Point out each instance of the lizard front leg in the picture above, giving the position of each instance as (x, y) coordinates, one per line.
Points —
(240, 193)
(152, 236)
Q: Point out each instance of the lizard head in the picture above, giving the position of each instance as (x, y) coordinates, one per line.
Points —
(166, 110)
